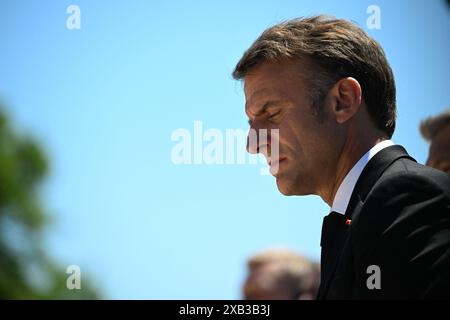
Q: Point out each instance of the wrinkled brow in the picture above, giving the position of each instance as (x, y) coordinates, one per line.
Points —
(261, 110)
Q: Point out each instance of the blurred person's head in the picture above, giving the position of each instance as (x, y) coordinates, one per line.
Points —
(436, 130)
(328, 87)
(281, 275)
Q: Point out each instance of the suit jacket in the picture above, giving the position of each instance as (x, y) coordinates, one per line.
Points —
(400, 224)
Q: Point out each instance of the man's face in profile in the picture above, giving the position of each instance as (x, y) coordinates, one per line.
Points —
(439, 157)
(277, 97)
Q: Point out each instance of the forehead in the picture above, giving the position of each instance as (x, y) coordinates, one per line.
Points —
(264, 94)
(274, 80)
(270, 74)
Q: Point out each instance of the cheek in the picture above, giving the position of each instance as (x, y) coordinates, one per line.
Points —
(291, 132)
(288, 141)
(305, 136)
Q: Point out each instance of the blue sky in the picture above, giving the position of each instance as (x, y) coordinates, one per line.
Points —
(105, 99)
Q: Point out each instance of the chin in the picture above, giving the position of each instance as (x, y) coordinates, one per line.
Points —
(285, 188)
(289, 188)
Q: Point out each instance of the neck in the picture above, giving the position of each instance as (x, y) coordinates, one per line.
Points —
(353, 149)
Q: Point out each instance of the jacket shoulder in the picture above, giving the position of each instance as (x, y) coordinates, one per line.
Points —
(406, 182)
(404, 227)
(406, 191)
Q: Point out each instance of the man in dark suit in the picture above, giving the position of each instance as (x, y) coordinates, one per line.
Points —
(323, 93)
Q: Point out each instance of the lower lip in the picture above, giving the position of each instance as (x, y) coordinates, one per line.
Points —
(272, 167)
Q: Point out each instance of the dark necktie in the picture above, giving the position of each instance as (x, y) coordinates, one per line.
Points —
(334, 229)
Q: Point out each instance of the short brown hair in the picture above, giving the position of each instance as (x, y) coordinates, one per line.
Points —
(338, 49)
(431, 126)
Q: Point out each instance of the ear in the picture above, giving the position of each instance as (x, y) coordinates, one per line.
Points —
(346, 99)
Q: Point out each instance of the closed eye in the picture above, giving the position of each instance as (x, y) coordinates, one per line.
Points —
(274, 114)
(269, 116)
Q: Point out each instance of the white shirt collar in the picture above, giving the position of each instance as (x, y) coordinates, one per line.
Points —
(342, 197)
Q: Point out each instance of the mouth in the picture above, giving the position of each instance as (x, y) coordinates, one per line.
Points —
(274, 161)
(275, 165)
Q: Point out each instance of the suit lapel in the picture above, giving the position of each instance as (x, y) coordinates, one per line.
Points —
(370, 175)
(335, 230)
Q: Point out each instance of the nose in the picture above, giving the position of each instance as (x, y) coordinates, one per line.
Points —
(257, 141)
(252, 141)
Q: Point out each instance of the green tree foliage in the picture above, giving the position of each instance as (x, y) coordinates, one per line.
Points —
(26, 271)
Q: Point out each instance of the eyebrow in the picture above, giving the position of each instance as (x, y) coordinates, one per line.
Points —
(267, 105)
